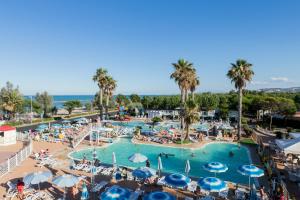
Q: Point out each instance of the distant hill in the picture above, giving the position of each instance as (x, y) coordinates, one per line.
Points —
(291, 89)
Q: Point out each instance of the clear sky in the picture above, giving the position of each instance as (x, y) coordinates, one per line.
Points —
(56, 45)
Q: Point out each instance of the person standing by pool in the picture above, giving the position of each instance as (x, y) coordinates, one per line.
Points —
(148, 163)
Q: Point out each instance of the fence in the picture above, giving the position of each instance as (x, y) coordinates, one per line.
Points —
(15, 160)
(23, 136)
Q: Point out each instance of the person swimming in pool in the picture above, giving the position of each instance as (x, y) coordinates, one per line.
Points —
(193, 155)
(231, 154)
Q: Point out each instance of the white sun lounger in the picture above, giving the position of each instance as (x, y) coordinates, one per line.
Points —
(136, 194)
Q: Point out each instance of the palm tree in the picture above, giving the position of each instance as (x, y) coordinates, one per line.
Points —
(182, 76)
(101, 78)
(240, 73)
(193, 84)
(110, 86)
(190, 116)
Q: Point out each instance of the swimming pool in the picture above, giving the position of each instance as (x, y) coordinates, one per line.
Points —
(210, 152)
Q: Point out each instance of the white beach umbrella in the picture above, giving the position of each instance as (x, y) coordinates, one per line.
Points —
(114, 159)
(187, 167)
(37, 178)
(137, 158)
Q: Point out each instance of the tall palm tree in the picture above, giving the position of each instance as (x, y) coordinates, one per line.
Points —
(110, 86)
(182, 76)
(190, 116)
(101, 78)
(240, 73)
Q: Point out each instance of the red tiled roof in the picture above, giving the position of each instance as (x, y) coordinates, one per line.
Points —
(7, 128)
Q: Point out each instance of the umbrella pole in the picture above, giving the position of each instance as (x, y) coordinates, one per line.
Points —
(39, 186)
(249, 183)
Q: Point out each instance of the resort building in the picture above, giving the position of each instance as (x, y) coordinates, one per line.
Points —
(8, 135)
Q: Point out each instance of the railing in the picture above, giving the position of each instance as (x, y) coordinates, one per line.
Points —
(77, 140)
(15, 160)
(23, 136)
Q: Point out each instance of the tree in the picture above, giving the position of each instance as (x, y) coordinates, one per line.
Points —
(100, 78)
(109, 87)
(10, 100)
(240, 73)
(155, 120)
(184, 73)
(146, 100)
(71, 105)
(297, 101)
(35, 106)
(190, 116)
(45, 101)
(286, 107)
(88, 106)
(135, 98)
(223, 107)
(122, 99)
(134, 108)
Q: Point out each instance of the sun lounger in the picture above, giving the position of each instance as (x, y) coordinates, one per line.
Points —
(161, 181)
(207, 198)
(188, 198)
(224, 194)
(99, 186)
(192, 186)
(239, 195)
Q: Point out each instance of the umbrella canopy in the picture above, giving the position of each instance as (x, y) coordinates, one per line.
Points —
(114, 159)
(215, 167)
(187, 167)
(177, 180)
(212, 184)
(159, 196)
(159, 164)
(37, 177)
(137, 158)
(66, 180)
(115, 193)
(251, 171)
(143, 172)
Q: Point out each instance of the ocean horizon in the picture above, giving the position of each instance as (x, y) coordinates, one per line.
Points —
(59, 100)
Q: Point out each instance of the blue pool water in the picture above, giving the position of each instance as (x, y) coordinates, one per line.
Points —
(211, 152)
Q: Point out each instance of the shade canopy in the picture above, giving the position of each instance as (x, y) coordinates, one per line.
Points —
(177, 180)
(37, 177)
(143, 172)
(291, 146)
(115, 193)
(158, 195)
(137, 158)
(212, 184)
(66, 180)
(250, 170)
(215, 167)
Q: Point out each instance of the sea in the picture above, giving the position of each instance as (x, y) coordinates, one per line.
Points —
(59, 100)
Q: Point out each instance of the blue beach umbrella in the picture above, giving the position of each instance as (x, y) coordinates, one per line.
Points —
(137, 158)
(143, 172)
(212, 184)
(158, 195)
(115, 193)
(177, 180)
(84, 193)
(215, 167)
(250, 171)
(36, 178)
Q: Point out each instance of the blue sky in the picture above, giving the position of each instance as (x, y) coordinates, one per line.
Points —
(57, 45)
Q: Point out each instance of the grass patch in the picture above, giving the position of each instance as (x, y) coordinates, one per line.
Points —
(248, 141)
